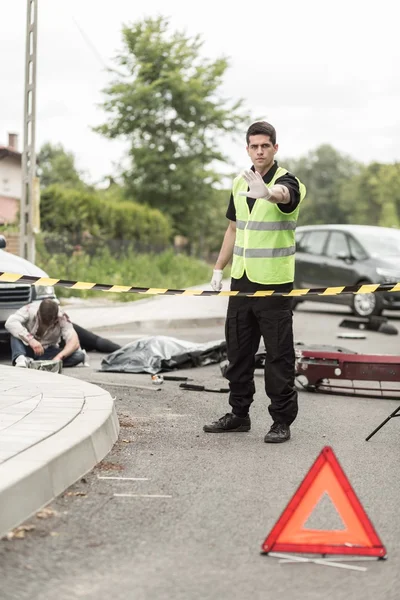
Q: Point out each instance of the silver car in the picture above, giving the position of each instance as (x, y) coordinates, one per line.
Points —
(15, 295)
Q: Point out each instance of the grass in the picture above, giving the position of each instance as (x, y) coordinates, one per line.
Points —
(164, 270)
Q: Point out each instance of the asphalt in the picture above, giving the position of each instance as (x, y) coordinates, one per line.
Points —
(191, 521)
(174, 513)
(54, 428)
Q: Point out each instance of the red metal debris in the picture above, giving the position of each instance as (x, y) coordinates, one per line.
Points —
(332, 369)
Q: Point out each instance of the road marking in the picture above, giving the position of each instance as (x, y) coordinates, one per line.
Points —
(125, 478)
(142, 496)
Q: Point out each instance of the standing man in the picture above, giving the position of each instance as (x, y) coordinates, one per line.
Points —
(37, 332)
(263, 211)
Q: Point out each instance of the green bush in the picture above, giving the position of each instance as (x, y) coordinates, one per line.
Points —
(76, 211)
(165, 270)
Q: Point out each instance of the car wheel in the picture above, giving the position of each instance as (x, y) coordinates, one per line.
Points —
(366, 305)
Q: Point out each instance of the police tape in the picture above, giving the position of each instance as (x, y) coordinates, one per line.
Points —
(365, 288)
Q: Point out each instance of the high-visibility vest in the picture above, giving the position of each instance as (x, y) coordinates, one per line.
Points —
(265, 237)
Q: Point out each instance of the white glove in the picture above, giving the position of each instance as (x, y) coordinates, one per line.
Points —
(257, 187)
(216, 281)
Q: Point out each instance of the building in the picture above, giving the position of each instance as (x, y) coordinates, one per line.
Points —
(10, 181)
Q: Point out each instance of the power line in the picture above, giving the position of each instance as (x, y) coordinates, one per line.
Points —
(95, 51)
(90, 44)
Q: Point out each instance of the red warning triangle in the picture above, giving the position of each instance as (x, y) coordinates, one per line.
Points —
(358, 537)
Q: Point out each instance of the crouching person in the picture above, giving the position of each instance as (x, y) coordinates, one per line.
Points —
(42, 331)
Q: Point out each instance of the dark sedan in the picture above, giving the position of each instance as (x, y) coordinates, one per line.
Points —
(335, 255)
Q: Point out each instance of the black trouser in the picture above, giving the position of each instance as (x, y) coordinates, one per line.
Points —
(247, 320)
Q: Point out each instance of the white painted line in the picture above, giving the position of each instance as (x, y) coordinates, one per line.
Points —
(141, 496)
(125, 478)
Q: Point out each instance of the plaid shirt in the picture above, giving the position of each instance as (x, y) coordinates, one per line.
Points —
(24, 324)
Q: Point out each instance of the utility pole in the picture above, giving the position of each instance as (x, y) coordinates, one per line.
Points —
(29, 199)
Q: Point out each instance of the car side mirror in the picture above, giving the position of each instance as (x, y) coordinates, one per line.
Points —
(343, 256)
(3, 242)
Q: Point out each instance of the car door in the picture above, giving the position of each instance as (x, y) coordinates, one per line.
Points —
(310, 259)
(340, 266)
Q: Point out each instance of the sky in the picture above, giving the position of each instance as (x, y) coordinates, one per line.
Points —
(319, 71)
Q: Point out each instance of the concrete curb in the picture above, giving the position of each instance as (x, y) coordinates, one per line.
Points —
(31, 479)
(170, 312)
(152, 326)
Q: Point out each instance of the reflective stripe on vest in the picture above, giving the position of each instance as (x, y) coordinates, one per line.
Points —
(265, 237)
(264, 252)
(262, 226)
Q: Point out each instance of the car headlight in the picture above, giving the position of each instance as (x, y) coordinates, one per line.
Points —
(44, 291)
(389, 275)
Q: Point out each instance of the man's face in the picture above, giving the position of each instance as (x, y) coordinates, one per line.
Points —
(261, 152)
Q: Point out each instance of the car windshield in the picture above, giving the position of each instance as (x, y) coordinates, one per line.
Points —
(381, 243)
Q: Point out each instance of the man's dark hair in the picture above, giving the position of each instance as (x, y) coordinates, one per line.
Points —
(48, 311)
(261, 128)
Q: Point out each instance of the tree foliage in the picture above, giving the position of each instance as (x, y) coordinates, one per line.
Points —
(373, 196)
(166, 104)
(340, 190)
(56, 165)
(324, 171)
(76, 212)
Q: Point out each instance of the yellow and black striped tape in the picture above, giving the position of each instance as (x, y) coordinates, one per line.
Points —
(366, 288)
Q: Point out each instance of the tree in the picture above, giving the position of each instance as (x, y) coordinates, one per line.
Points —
(56, 165)
(324, 172)
(215, 225)
(373, 196)
(166, 104)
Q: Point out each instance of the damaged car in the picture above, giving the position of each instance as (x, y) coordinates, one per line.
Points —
(15, 295)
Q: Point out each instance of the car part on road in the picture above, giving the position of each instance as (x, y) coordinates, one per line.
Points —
(202, 388)
(328, 369)
(352, 336)
(388, 329)
(176, 378)
(373, 323)
(395, 413)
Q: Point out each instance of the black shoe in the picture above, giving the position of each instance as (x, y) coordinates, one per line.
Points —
(229, 422)
(277, 434)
